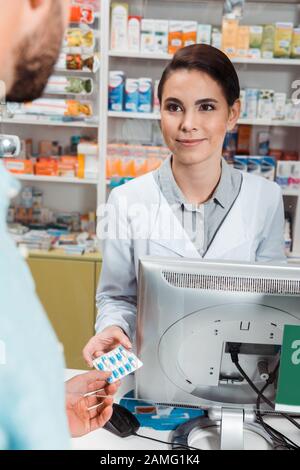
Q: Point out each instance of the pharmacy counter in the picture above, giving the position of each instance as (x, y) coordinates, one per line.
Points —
(104, 440)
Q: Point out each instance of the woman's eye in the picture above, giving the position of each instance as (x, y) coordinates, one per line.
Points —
(207, 107)
(173, 107)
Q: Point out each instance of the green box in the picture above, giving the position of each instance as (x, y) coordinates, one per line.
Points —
(288, 389)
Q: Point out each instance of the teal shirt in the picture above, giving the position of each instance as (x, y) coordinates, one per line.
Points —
(32, 397)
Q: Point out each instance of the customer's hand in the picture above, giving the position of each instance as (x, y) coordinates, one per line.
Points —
(103, 342)
(87, 413)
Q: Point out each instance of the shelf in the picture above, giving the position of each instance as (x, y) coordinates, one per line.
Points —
(252, 122)
(124, 115)
(55, 179)
(161, 56)
(88, 72)
(269, 122)
(49, 122)
(291, 192)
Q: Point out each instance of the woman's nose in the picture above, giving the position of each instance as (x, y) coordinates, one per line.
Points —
(189, 122)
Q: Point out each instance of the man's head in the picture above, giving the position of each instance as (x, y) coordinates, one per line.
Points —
(31, 33)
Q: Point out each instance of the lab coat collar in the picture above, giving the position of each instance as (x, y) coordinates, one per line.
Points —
(167, 231)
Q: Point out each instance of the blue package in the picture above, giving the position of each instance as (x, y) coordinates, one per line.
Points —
(268, 167)
(240, 162)
(145, 95)
(116, 90)
(131, 95)
(254, 163)
(148, 414)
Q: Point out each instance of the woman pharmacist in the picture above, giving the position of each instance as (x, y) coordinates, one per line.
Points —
(195, 205)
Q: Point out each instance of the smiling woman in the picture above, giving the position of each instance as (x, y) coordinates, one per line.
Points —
(195, 205)
(199, 95)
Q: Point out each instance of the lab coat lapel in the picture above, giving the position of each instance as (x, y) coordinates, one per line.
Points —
(168, 232)
(231, 236)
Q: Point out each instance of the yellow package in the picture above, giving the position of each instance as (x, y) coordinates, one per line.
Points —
(243, 40)
(295, 53)
(175, 36)
(268, 39)
(189, 33)
(76, 37)
(283, 39)
(230, 36)
(76, 108)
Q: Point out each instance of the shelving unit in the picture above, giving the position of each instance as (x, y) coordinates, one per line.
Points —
(64, 193)
(50, 122)
(249, 61)
(113, 126)
(55, 179)
(156, 116)
(274, 73)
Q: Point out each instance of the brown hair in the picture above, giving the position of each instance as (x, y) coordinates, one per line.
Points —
(206, 59)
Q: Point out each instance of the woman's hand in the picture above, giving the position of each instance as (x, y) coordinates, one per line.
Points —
(87, 413)
(103, 342)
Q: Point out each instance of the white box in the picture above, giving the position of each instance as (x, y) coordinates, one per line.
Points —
(147, 35)
(216, 38)
(156, 105)
(161, 31)
(265, 104)
(243, 103)
(134, 34)
(119, 24)
(204, 34)
(279, 105)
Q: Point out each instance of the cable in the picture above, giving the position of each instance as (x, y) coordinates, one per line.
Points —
(165, 442)
(234, 349)
(277, 436)
(274, 434)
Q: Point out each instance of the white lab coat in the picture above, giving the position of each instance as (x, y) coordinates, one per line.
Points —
(252, 231)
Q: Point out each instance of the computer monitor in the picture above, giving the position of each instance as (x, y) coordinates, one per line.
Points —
(190, 312)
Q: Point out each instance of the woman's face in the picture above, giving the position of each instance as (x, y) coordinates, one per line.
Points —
(195, 116)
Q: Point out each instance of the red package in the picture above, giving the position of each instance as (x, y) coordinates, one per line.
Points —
(80, 14)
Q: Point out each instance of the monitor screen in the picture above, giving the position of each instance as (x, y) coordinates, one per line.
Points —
(194, 315)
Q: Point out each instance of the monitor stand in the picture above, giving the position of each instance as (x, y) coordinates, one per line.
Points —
(223, 428)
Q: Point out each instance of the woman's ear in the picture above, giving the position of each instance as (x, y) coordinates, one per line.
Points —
(234, 114)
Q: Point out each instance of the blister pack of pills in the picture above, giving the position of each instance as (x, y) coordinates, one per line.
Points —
(120, 362)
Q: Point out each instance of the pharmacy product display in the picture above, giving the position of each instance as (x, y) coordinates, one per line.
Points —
(58, 85)
(130, 161)
(84, 62)
(78, 53)
(78, 159)
(146, 35)
(139, 95)
(52, 107)
(136, 95)
(34, 226)
(268, 104)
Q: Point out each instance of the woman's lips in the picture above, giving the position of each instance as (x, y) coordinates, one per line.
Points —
(190, 142)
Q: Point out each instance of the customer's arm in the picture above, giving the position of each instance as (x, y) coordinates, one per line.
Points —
(32, 398)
